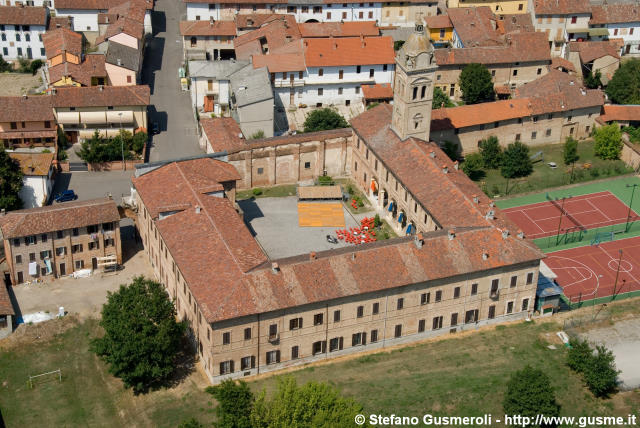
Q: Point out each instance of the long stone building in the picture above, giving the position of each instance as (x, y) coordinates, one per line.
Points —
(466, 265)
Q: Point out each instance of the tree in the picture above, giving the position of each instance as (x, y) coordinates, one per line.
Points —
(10, 182)
(570, 153)
(99, 149)
(608, 142)
(601, 375)
(440, 99)
(624, 86)
(592, 81)
(451, 149)
(472, 166)
(516, 161)
(142, 338)
(579, 355)
(191, 423)
(529, 393)
(312, 405)
(491, 152)
(35, 65)
(322, 119)
(4, 65)
(397, 45)
(235, 402)
(476, 84)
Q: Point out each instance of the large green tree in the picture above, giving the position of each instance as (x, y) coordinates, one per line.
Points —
(592, 80)
(472, 166)
(440, 99)
(142, 338)
(323, 119)
(10, 182)
(235, 402)
(491, 152)
(624, 86)
(529, 393)
(476, 84)
(608, 142)
(516, 161)
(601, 375)
(314, 404)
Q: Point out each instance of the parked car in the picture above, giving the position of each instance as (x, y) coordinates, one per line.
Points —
(67, 195)
(331, 239)
(155, 128)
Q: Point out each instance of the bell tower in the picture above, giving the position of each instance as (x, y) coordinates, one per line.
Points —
(413, 87)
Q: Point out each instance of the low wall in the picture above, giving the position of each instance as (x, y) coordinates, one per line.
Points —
(630, 154)
(114, 166)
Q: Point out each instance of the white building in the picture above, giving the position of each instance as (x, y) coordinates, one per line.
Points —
(21, 30)
(37, 181)
(88, 15)
(622, 21)
(210, 85)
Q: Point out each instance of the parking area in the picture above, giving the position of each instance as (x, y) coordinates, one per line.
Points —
(274, 223)
(91, 185)
(623, 339)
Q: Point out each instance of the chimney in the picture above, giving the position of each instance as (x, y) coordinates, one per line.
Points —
(275, 268)
(456, 165)
(419, 240)
(3, 212)
(312, 255)
(476, 199)
(490, 215)
(505, 234)
(571, 83)
(197, 209)
(432, 154)
(451, 234)
(362, 43)
(119, 62)
(445, 169)
(24, 96)
(520, 234)
(53, 91)
(485, 255)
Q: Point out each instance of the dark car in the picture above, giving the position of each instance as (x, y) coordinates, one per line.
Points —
(331, 239)
(155, 128)
(67, 195)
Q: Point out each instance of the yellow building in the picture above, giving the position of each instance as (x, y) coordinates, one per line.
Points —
(499, 7)
(440, 29)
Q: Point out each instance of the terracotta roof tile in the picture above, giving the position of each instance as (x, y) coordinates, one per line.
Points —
(33, 163)
(6, 307)
(438, 21)
(92, 66)
(349, 51)
(62, 40)
(59, 22)
(615, 13)
(23, 15)
(96, 96)
(614, 113)
(378, 91)
(477, 114)
(257, 20)
(62, 216)
(43, 133)
(339, 29)
(277, 33)
(207, 28)
(561, 7)
(590, 51)
(475, 26)
(277, 63)
(95, 4)
(26, 109)
(558, 63)
(223, 133)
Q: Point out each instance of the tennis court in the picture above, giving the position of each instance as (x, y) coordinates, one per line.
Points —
(582, 212)
(589, 272)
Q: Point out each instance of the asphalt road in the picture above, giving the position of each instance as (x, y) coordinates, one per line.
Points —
(170, 106)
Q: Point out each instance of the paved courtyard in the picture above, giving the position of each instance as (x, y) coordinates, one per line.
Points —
(274, 222)
(91, 185)
(623, 339)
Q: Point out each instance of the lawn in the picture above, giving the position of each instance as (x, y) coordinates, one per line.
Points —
(268, 192)
(543, 176)
(461, 374)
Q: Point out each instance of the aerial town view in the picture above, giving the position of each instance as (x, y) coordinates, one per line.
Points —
(279, 213)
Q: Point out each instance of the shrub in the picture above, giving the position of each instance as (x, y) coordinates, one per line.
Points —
(594, 172)
(608, 142)
(324, 119)
(376, 220)
(397, 45)
(35, 65)
(579, 355)
(360, 202)
(529, 393)
(325, 179)
(601, 374)
(257, 191)
(257, 135)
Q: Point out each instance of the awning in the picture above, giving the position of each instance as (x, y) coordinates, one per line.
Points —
(598, 31)
(400, 217)
(409, 229)
(68, 117)
(114, 116)
(33, 269)
(390, 206)
(93, 117)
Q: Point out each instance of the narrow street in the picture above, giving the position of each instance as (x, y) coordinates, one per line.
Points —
(170, 106)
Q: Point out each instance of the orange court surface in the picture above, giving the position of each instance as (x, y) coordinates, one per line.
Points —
(320, 214)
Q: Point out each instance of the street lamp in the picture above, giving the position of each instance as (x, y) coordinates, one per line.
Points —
(634, 185)
(124, 165)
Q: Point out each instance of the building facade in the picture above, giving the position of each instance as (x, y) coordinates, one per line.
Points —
(37, 179)
(28, 122)
(618, 21)
(57, 240)
(562, 21)
(21, 31)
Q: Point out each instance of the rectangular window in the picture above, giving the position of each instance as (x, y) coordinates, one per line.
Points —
(574, 19)
(421, 326)
(320, 92)
(358, 69)
(226, 367)
(76, 248)
(320, 72)
(295, 352)
(18, 259)
(273, 330)
(514, 281)
(510, 307)
(307, 165)
(438, 295)
(436, 323)
(79, 264)
(61, 251)
(336, 344)
(247, 333)
(517, 137)
(295, 323)
(492, 312)
(529, 278)
(273, 357)
(32, 257)
(525, 304)
(360, 312)
(336, 316)
(340, 91)
(340, 74)
(400, 303)
(46, 254)
(425, 298)
(357, 89)
(226, 338)
(534, 134)
(374, 336)
(75, 232)
(454, 319)
(30, 240)
(474, 289)
(318, 319)
(398, 331)
(471, 316)
(371, 72)
(94, 245)
(247, 362)
(456, 292)
(548, 132)
(43, 237)
(376, 308)
(318, 347)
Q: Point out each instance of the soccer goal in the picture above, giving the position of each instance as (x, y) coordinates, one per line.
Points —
(44, 377)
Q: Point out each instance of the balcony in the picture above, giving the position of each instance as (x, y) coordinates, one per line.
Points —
(274, 338)
(494, 294)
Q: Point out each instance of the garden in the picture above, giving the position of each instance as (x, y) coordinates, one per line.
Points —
(127, 146)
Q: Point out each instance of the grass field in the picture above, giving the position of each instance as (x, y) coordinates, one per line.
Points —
(268, 192)
(545, 177)
(460, 375)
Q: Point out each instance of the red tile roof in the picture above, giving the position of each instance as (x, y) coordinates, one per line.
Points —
(223, 133)
(257, 20)
(590, 51)
(377, 92)
(92, 66)
(95, 4)
(558, 63)
(277, 32)
(520, 47)
(62, 216)
(438, 21)
(207, 28)
(23, 15)
(561, 7)
(348, 51)
(475, 26)
(96, 96)
(62, 40)
(42, 133)
(615, 13)
(478, 114)
(278, 63)
(59, 22)
(33, 163)
(612, 113)
(26, 109)
(6, 307)
(339, 29)
(122, 25)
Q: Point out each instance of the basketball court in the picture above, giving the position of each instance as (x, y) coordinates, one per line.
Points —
(318, 214)
(578, 213)
(589, 272)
